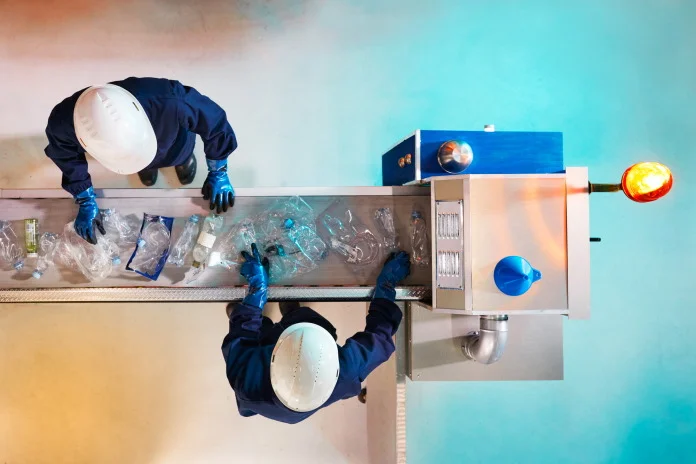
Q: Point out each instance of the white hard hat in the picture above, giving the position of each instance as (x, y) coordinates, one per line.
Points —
(112, 126)
(304, 366)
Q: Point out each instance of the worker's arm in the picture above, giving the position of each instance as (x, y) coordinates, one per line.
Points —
(368, 349)
(239, 346)
(203, 116)
(243, 336)
(66, 152)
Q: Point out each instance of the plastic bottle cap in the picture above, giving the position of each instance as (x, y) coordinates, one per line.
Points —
(289, 223)
(193, 218)
(116, 261)
(36, 274)
(18, 265)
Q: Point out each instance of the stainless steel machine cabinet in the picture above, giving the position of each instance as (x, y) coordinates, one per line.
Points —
(510, 260)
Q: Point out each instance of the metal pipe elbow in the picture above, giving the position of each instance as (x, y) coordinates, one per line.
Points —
(488, 344)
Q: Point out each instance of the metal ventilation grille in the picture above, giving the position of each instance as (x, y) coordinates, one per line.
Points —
(448, 225)
(449, 264)
(449, 245)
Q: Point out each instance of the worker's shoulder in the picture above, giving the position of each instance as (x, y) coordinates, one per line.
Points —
(152, 87)
(62, 114)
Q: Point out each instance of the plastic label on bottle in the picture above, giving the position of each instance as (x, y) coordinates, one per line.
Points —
(207, 240)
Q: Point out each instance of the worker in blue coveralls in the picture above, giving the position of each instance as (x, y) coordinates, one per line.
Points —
(138, 125)
(289, 370)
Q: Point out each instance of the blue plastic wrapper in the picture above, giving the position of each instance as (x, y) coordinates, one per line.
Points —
(152, 248)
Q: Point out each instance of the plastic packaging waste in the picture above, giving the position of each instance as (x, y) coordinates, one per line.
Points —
(47, 247)
(211, 229)
(184, 244)
(93, 261)
(420, 249)
(31, 237)
(11, 249)
(349, 237)
(385, 225)
(228, 249)
(285, 233)
(122, 232)
(152, 247)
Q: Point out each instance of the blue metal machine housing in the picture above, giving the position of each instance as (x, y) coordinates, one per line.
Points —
(416, 157)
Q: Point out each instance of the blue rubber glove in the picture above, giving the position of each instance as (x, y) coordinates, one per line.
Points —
(88, 216)
(217, 187)
(255, 270)
(396, 268)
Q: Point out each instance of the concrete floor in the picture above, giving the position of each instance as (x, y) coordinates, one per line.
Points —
(115, 383)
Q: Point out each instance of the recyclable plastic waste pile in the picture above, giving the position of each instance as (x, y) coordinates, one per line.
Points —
(285, 233)
(294, 238)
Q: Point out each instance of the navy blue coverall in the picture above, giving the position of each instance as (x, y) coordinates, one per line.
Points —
(177, 113)
(248, 346)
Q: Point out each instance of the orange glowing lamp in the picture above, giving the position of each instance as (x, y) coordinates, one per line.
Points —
(642, 182)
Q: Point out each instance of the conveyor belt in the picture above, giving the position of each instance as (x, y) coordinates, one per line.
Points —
(332, 281)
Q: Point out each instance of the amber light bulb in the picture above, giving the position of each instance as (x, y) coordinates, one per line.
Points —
(647, 181)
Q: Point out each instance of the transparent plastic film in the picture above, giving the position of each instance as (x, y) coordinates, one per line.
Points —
(285, 233)
(349, 237)
(228, 249)
(11, 249)
(93, 261)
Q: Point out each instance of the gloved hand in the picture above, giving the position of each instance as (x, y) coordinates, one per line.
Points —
(88, 216)
(255, 270)
(396, 268)
(217, 187)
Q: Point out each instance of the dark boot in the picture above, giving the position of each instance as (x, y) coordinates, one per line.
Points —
(286, 307)
(148, 177)
(187, 171)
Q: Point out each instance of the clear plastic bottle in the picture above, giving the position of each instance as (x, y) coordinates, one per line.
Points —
(185, 242)
(385, 224)
(47, 245)
(420, 255)
(212, 227)
(11, 249)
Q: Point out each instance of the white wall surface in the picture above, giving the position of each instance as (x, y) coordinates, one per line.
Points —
(291, 75)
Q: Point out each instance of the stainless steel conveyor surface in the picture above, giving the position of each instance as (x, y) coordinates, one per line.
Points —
(333, 280)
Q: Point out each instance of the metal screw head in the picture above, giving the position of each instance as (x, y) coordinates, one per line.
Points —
(402, 162)
(408, 158)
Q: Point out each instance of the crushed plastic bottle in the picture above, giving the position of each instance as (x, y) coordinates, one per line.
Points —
(420, 250)
(11, 249)
(212, 227)
(93, 261)
(152, 245)
(120, 229)
(47, 247)
(184, 244)
(385, 224)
